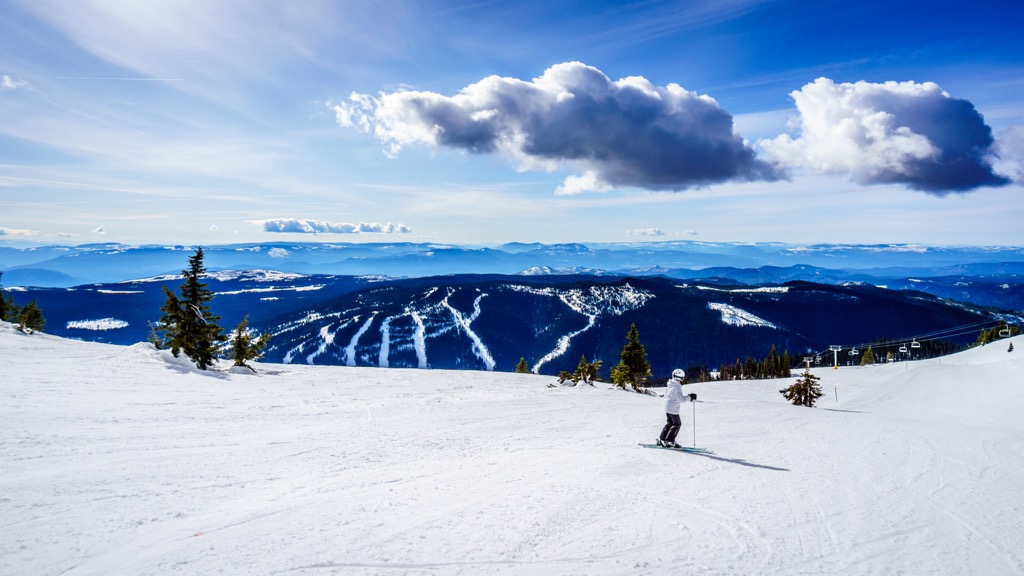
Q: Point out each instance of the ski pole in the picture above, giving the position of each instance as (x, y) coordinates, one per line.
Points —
(694, 424)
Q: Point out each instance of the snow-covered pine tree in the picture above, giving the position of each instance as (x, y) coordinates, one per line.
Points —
(189, 324)
(246, 347)
(805, 391)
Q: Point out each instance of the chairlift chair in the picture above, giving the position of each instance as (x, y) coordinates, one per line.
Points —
(1004, 332)
(853, 352)
(915, 344)
(903, 349)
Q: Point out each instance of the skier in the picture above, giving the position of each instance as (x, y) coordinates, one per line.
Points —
(673, 399)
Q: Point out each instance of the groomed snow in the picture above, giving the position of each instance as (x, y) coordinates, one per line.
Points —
(123, 460)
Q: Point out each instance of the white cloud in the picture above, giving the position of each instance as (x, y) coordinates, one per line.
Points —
(99, 230)
(213, 228)
(625, 133)
(17, 232)
(587, 182)
(277, 253)
(1010, 153)
(305, 226)
(8, 83)
(647, 232)
(897, 132)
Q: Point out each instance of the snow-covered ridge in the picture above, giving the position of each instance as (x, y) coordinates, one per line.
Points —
(254, 275)
(759, 290)
(595, 300)
(228, 275)
(309, 288)
(101, 324)
(734, 316)
(591, 302)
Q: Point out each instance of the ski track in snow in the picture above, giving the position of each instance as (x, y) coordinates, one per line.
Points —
(126, 460)
(385, 342)
(350, 350)
(592, 303)
(563, 344)
(419, 340)
(326, 339)
(479, 349)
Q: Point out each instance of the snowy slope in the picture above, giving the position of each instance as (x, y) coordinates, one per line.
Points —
(121, 460)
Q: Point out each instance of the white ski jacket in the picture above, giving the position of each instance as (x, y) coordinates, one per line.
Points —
(674, 397)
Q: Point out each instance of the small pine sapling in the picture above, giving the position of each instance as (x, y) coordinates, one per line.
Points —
(804, 391)
(587, 372)
(521, 367)
(246, 347)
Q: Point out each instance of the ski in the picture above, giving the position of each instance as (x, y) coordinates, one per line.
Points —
(689, 449)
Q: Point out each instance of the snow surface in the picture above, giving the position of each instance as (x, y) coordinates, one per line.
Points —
(100, 324)
(734, 316)
(124, 460)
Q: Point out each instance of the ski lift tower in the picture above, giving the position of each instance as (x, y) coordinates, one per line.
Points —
(835, 355)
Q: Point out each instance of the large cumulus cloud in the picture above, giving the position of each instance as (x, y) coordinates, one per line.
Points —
(897, 132)
(611, 133)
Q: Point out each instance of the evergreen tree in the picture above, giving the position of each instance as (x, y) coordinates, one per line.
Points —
(587, 371)
(521, 367)
(633, 361)
(868, 358)
(189, 324)
(244, 347)
(771, 364)
(750, 369)
(785, 365)
(5, 303)
(805, 391)
(30, 318)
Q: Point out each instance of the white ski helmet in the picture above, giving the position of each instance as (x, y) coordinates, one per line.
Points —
(679, 374)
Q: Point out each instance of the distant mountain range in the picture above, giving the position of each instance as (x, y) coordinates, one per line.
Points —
(445, 306)
(488, 322)
(65, 266)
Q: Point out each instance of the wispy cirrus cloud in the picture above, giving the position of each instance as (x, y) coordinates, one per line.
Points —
(613, 134)
(306, 226)
(647, 232)
(17, 232)
(908, 133)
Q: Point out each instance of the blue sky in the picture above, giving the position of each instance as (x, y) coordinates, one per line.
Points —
(220, 121)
